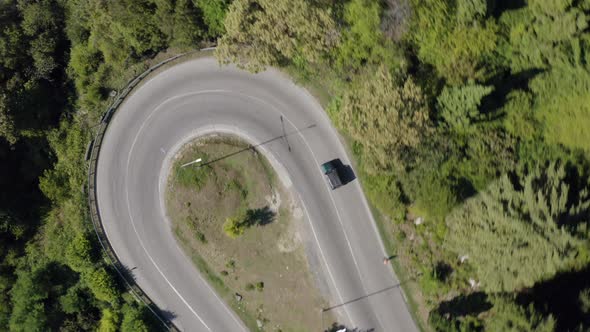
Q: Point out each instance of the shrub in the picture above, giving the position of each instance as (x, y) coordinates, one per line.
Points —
(234, 227)
(201, 237)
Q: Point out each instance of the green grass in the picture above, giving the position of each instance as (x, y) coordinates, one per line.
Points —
(192, 175)
(218, 284)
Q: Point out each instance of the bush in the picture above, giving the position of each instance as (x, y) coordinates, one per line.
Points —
(109, 322)
(260, 286)
(102, 285)
(250, 286)
(201, 237)
(234, 226)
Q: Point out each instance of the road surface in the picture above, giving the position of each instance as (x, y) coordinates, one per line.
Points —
(199, 97)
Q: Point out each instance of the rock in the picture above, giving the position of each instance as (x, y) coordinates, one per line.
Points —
(259, 323)
(239, 297)
(463, 258)
(418, 221)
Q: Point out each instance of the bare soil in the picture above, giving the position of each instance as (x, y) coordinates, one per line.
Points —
(266, 266)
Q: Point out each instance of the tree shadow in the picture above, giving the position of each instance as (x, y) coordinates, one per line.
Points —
(442, 271)
(504, 83)
(560, 297)
(259, 217)
(463, 305)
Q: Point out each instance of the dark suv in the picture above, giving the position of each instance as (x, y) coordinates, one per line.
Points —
(330, 170)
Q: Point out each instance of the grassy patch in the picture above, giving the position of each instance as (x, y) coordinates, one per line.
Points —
(235, 221)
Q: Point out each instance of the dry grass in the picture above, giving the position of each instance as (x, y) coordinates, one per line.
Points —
(267, 264)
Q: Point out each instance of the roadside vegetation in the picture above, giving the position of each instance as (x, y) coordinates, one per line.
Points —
(59, 62)
(241, 228)
(468, 120)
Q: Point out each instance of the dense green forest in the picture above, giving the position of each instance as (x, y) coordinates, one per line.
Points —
(471, 114)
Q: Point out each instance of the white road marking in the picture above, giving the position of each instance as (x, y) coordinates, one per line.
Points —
(137, 234)
(309, 218)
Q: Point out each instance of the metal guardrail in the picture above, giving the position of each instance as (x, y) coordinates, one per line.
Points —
(94, 152)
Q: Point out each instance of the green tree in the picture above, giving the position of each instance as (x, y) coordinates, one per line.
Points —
(520, 118)
(460, 47)
(7, 130)
(79, 254)
(41, 21)
(66, 177)
(544, 34)
(234, 226)
(28, 296)
(509, 317)
(180, 21)
(133, 320)
(362, 39)
(562, 105)
(214, 12)
(262, 33)
(109, 322)
(387, 119)
(74, 300)
(459, 106)
(102, 285)
(517, 234)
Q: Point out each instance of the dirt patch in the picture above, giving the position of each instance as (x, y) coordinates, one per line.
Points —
(263, 273)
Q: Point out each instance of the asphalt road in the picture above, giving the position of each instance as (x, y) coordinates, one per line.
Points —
(199, 97)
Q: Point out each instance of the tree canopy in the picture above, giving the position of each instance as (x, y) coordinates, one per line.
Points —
(521, 231)
(260, 33)
(390, 120)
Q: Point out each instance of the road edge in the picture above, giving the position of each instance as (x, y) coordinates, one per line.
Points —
(92, 155)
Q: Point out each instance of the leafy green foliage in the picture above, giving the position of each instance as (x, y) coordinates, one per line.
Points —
(28, 313)
(534, 58)
(102, 285)
(109, 322)
(133, 320)
(562, 105)
(51, 277)
(79, 254)
(511, 227)
(213, 14)
(234, 226)
(459, 106)
(544, 34)
(7, 130)
(261, 33)
(363, 41)
(41, 21)
(388, 120)
(460, 45)
(520, 118)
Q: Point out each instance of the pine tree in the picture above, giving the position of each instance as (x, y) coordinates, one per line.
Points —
(517, 234)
